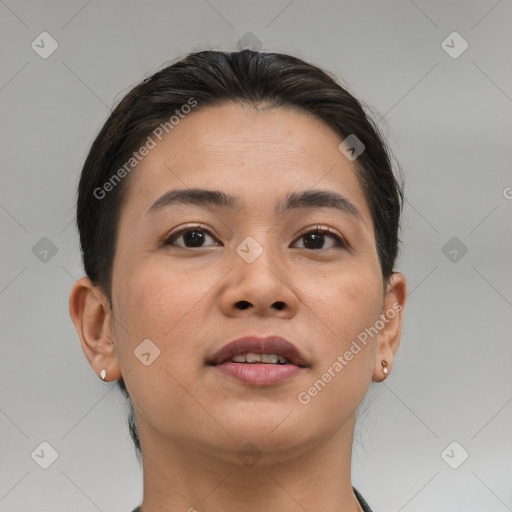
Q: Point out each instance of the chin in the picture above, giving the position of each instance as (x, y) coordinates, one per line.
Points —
(273, 428)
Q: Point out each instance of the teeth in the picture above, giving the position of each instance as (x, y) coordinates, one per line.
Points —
(253, 358)
(269, 358)
(259, 358)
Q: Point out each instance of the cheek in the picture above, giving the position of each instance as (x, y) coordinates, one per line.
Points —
(342, 373)
(160, 303)
(345, 303)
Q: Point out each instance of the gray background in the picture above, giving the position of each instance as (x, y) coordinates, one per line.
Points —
(448, 121)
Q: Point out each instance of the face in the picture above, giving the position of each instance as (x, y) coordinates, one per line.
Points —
(181, 280)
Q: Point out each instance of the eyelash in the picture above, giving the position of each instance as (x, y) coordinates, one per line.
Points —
(317, 229)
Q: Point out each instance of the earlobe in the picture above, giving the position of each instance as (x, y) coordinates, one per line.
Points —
(90, 312)
(390, 334)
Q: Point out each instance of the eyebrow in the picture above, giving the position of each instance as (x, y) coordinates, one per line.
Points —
(299, 199)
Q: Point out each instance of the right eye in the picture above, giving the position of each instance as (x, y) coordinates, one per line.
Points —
(194, 236)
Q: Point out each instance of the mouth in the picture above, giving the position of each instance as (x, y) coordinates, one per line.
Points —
(259, 361)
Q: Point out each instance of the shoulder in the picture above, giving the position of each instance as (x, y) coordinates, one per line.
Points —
(362, 501)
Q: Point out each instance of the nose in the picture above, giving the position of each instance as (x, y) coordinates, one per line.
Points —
(260, 288)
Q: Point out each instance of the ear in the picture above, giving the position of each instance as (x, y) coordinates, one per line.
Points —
(90, 311)
(391, 316)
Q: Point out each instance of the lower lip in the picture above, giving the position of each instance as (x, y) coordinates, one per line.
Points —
(259, 374)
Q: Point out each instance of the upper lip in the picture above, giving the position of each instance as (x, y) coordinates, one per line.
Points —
(259, 345)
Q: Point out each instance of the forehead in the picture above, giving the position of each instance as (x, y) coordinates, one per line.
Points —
(250, 153)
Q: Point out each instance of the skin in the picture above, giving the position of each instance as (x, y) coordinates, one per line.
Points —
(193, 420)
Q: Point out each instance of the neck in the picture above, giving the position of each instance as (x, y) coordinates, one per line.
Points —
(180, 477)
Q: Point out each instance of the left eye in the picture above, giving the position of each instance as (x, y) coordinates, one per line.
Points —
(315, 238)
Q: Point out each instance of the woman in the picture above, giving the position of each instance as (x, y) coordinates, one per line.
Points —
(238, 218)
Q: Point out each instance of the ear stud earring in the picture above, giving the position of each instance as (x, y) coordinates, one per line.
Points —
(103, 374)
(385, 370)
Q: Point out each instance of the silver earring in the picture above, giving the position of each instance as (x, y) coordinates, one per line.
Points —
(385, 370)
(103, 374)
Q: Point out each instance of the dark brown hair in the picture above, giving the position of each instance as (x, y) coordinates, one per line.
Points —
(213, 78)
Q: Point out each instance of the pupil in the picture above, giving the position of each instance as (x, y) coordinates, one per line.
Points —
(194, 237)
(317, 238)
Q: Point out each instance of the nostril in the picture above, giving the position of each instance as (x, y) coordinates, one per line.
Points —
(243, 304)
